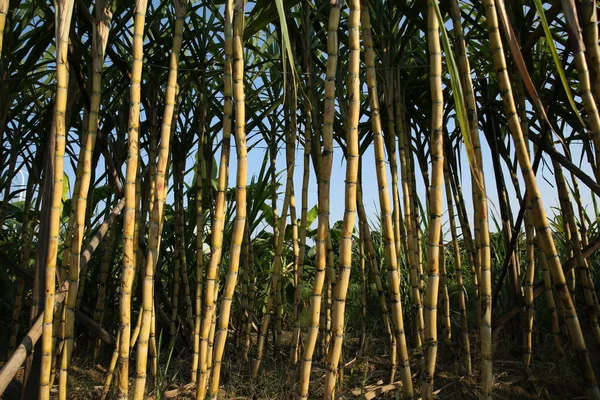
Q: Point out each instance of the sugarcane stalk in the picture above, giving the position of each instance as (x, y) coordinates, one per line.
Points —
(391, 258)
(323, 175)
(64, 11)
(352, 163)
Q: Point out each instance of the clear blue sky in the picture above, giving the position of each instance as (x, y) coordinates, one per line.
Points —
(370, 187)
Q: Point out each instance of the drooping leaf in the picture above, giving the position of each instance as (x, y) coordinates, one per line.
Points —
(559, 68)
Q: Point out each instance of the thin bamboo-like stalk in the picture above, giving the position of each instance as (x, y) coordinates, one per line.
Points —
(295, 238)
(416, 218)
(583, 233)
(530, 245)
(589, 23)
(370, 250)
(585, 84)
(466, 231)
(363, 292)
(240, 195)
(444, 297)
(582, 266)
(105, 265)
(390, 144)
(570, 275)
(111, 368)
(459, 274)
(492, 132)
(409, 220)
(241, 325)
(64, 11)
(137, 227)
(200, 171)
(275, 226)
(130, 204)
(551, 303)
(352, 163)
(384, 201)
(211, 343)
(178, 175)
(219, 209)
(323, 175)
(83, 272)
(296, 336)
(436, 145)
(273, 304)
(543, 231)
(328, 305)
(251, 282)
(14, 325)
(173, 327)
(155, 230)
(480, 249)
(26, 240)
(153, 349)
(136, 331)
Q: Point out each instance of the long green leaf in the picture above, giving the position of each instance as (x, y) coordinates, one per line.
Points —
(561, 72)
(459, 99)
(286, 47)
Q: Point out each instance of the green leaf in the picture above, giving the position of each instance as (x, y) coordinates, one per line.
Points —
(65, 192)
(311, 216)
(286, 47)
(459, 99)
(561, 72)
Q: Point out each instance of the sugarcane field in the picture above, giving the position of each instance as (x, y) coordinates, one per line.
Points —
(299, 199)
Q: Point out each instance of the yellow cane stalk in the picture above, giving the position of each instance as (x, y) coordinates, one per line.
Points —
(240, 195)
(99, 42)
(324, 173)
(445, 298)
(199, 239)
(370, 250)
(154, 234)
(436, 145)
(390, 141)
(482, 257)
(543, 231)
(111, 368)
(551, 303)
(129, 259)
(384, 201)
(581, 65)
(584, 236)
(64, 11)
(459, 276)
(352, 161)
(530, 239)
(219, 216)
(590, 34)
(328, 305)
(582, 267)
(272, 302)
(411, 239)
(295, 352)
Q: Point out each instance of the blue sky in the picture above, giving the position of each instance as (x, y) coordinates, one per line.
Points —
(370, 187)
